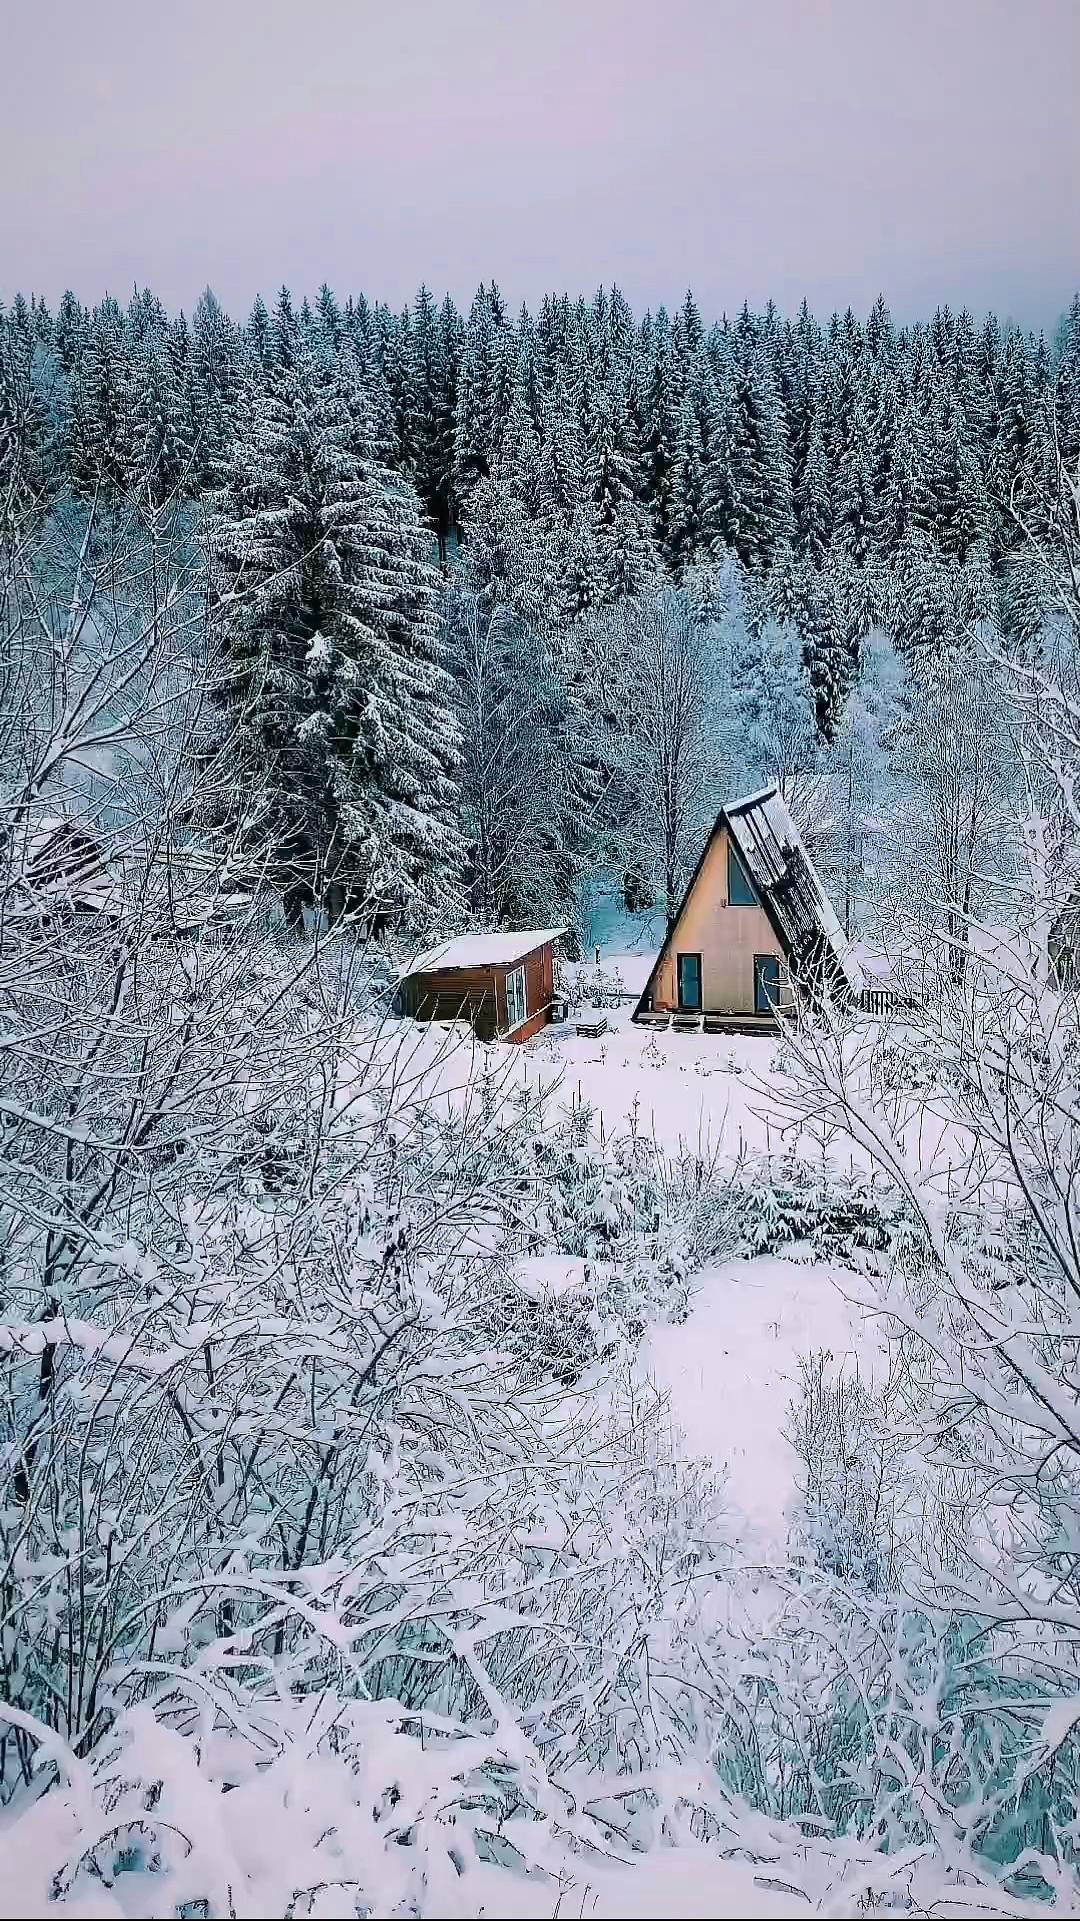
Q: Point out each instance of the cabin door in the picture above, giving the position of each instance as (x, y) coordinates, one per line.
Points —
(766, 983)
(689, 978)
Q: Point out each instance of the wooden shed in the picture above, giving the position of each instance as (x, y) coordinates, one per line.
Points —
(503, 984)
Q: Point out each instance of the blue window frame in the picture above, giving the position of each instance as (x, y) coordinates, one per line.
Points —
(766, 983)
(740, 891)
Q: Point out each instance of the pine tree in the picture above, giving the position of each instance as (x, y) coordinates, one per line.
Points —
(444, 496)
(929, 610)
(518, 463)
(1067, 393)
(220, 365)
(332, 681)
(101, 424)
(855, 503)
(760, 472)
(161, 425)
(259, 333)
(71, 331)
(830, 614)
(328, 319)
(399, 372)
(484, 380)
(619, 335)
(29, 428)
(964, 379)
(813, 500)
(1009, 458)
(583, 581)
(1022, 605)
(687, 333)
(772, 704)
(563, 457)
(285, 331)
(803, 395)
(425, 383)
(691, 526)
(658, 408)
(626, 555)
(880, 333)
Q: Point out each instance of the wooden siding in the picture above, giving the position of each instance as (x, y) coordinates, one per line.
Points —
(478, 995)
(726, 937)
(539, 992)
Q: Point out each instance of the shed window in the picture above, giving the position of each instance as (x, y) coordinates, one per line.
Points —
(515, 998)
(740, 891)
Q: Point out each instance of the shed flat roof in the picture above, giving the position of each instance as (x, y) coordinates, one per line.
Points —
(480, 950)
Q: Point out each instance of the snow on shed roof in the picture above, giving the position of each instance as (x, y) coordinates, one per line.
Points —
(481, 950)
(772, 851)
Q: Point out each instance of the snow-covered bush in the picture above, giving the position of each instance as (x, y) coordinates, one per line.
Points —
(841, 1214)
(849, 1483)
(285, 1522)
(600, 987)
(978, 1138)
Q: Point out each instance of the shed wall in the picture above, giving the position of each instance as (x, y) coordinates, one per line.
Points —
(457, 994)
(478, 995)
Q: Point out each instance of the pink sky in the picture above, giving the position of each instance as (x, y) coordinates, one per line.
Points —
(928, 148)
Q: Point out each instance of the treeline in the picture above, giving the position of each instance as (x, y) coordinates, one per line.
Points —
(659, 441)
(422, 746)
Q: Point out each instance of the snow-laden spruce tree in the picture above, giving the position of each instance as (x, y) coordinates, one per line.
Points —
(770, 717)
(332, 685)
(623, 536)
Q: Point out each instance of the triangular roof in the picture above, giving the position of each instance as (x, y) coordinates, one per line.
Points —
(788, 888)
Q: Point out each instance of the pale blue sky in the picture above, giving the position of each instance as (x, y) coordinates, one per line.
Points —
(930, 148)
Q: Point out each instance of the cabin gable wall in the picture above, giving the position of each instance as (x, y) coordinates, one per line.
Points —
(726, 937)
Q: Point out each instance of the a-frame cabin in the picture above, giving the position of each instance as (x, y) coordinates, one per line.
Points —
(754, 917)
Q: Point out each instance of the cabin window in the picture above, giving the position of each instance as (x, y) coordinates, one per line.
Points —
(740, 891)
(515, 998)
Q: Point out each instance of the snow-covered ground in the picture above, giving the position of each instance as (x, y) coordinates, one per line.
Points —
(699, 1090)
(731, 1370)
(692, 1883)
(609, 926)
(706, 1092)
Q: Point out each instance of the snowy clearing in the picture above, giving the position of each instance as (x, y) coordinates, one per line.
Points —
(722, 1095)
(680, 1089)
(539, 1274)
(731, 1370)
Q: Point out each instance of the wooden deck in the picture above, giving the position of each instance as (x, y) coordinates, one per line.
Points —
(686, 1023)
(743, 1023)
